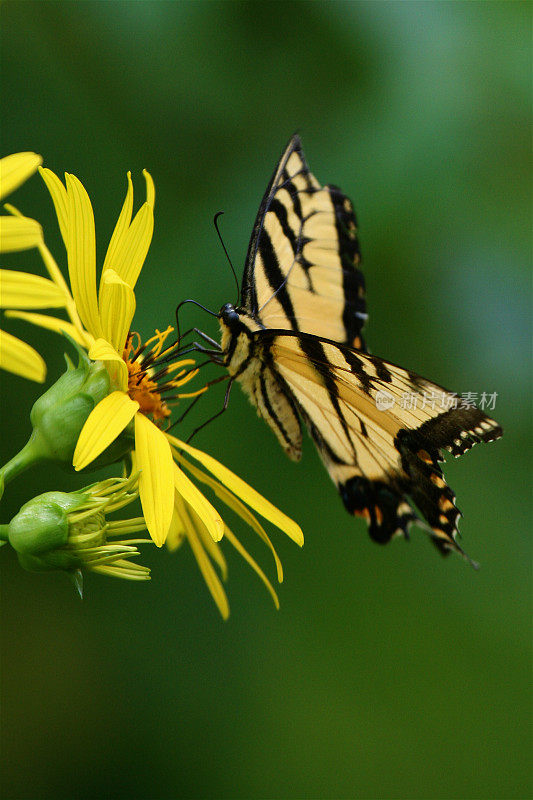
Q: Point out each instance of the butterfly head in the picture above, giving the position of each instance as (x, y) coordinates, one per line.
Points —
(237, 320)
(229, 315)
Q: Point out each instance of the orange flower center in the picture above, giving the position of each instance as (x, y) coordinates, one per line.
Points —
(146, 392)
(152, 374)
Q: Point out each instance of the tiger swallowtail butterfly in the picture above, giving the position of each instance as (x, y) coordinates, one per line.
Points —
(295, 344)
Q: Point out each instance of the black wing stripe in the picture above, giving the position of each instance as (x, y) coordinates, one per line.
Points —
(281, 213)
(314, 350)
(270, 410)
(275, 277)
(353, 281)
(377, 449)
(293, 192)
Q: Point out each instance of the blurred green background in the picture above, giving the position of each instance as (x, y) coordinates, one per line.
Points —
(388, 672)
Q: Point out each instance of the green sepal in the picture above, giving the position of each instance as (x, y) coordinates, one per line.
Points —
(77, 579)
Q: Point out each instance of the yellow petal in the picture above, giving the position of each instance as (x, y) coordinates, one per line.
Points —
(23, 290)
(81, 251)
(54, 272)
(156, 481)
(117, 306)
(105, 422)
(53, 324)
(212, 548)
(206, 568)
(176, 532)
(254, 565)
(15, 169)
(207, 513)
(121, 228)
(58, 193)
(150, 188)
(131, 253)
(235, 504)
(210, 577)
(58, 279)
(130, 240)
(102, 350)
(19, 233)
(244, 491)
(20, 358)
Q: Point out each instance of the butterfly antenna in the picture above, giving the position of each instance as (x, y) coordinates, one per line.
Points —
(215, 223)
(194, 303)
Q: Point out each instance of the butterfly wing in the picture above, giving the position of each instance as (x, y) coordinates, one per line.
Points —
(301, 269)
(380, 430)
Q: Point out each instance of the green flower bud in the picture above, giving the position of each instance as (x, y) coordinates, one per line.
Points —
(69, 531)
(59, 415)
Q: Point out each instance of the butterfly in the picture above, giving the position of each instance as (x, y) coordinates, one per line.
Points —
(295, 345)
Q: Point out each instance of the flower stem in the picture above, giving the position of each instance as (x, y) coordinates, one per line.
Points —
(30, 454)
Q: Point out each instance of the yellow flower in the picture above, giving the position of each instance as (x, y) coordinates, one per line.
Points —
(21, 233)
(145, 385)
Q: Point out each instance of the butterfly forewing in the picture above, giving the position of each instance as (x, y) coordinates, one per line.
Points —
(301, 270)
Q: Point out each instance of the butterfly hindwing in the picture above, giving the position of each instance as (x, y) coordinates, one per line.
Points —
(275, 405)
(381, 460)
(302, 269)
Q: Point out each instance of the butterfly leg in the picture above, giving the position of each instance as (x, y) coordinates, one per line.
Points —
(179, 349)
(182, 416)
(208, 339)
(195, 347)
(196, 399)
(224, 407)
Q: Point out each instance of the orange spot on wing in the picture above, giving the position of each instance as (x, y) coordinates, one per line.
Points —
(444, 503)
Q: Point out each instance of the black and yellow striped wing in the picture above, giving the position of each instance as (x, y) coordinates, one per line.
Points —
(301, 270)
(295, 345)
(381, 431)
